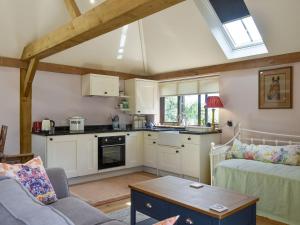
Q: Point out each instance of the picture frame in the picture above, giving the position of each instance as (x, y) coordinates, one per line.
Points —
(276, 88)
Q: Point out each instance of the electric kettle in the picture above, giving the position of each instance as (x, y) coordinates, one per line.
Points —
(47, 124)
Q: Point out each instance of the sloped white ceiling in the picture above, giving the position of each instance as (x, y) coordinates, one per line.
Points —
(176, 38)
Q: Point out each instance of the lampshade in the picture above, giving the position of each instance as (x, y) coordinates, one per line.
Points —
(214, 102)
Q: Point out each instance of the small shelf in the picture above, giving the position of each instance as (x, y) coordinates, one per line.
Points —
(125, 110)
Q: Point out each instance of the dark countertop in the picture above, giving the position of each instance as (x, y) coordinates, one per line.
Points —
(96, 129)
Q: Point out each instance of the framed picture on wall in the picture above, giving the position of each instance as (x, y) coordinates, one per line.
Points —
(276, 88)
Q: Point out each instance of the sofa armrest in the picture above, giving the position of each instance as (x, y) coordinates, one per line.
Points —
(59, 182)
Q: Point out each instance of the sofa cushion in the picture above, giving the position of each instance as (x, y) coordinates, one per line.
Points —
(80, 212)
(19, 207)
(33, 176)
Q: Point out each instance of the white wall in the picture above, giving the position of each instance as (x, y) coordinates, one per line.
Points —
(56, 96)
(239, 92)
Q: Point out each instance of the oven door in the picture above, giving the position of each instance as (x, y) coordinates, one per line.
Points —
(111, 156)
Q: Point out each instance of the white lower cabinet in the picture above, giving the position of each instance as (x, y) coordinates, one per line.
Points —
(134, 149)
(62, 151)
(150, 150)
(190, 160)
(76, 154)
(169, 159)
(87, 154)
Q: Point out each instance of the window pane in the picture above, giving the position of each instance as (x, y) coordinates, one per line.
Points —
(171, 109)
(202, 119)
(252, 29)
(237, 33)
(217, 112)
(190, 109)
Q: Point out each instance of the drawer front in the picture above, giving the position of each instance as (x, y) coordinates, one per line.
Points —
(189, 217)
(150, 206)
(190, 139)
(150, 135)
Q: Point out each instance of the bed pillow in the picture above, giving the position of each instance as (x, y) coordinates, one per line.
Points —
(32, 175)
(241, 150)
(287, 154)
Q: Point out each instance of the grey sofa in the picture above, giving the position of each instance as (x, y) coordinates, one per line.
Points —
(18, 207)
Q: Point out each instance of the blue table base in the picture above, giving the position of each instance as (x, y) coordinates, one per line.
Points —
(160, 210)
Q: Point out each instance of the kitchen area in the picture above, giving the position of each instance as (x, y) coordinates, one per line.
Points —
(94, 151)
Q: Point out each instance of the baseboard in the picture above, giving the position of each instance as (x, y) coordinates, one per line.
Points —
(103, 175)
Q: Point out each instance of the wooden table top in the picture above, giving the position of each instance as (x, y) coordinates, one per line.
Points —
(177, 191)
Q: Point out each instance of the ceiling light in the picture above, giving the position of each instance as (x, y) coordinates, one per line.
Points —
(120, 57)
(121, 50)
(92, 1)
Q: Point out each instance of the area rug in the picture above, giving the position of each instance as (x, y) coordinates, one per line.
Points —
(109, 189)
(124, 216)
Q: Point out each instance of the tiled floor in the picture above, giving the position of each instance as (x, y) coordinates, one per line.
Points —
(109, 189)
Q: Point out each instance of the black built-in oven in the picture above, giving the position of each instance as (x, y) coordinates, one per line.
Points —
(111, 152)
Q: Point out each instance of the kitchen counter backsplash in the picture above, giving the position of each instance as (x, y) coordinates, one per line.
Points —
(93, 129)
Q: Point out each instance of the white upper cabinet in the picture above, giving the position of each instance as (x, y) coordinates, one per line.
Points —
(99, 85)
(143, 96)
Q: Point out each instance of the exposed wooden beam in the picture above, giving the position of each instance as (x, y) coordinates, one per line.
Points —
(60, 68)
(108, 16)
(72, 8)
(25, 116)
(241, 65)
(246, 64)
(30, 73)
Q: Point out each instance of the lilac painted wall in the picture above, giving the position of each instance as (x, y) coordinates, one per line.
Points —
(239, 91)
(56, 96)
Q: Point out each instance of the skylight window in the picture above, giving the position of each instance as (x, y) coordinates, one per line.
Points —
(243, 32)
(233, 27)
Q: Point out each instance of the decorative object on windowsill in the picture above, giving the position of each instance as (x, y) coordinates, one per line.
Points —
(214, 102)
(276, 88)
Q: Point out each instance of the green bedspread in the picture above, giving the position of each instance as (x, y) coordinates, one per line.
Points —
(276, 185)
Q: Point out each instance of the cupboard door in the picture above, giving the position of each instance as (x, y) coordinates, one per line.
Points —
(105, 86)
(150, 153)
(87, 154)
(191, 160)
(134, 149)
(62, 152)
(169, 159)
(146, 97)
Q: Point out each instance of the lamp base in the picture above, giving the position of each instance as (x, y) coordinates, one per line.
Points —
(213, 125)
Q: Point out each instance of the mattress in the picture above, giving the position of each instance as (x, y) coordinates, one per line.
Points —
(276, 185)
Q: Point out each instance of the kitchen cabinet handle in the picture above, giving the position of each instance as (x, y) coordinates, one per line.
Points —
(128, 134)
(154, 142)
(189, 138)
(139, 111)
(149, 135)
(51, 139)
(105, 92)
(189, 221)
(182, 146)
(177, 151)
(95, 136)
(148, 205)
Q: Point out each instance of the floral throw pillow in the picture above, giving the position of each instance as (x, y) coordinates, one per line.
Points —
(287, 154)
(169, 221)
(32, 175)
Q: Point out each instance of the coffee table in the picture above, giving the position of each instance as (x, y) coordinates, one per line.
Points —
(169, 196)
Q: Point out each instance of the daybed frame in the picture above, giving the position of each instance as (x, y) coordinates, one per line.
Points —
(218, 152)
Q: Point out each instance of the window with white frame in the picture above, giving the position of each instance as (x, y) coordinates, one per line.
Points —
(233, 27)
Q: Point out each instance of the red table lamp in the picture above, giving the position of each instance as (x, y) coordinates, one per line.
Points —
(214, 102)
